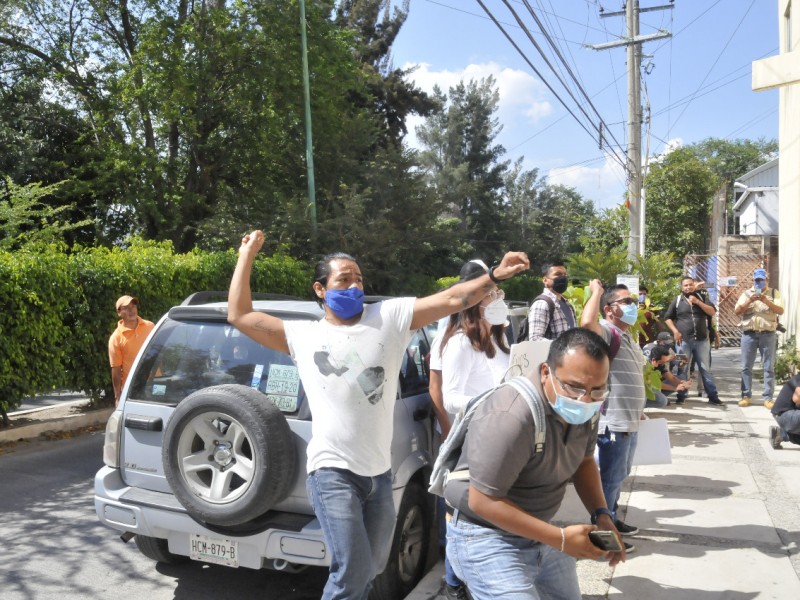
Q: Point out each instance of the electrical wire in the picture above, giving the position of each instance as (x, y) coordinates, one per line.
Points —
(546, 83)
(599, 127)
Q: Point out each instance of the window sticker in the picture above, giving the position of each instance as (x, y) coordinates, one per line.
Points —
(257, 373)
(159, 389)
(283, 386)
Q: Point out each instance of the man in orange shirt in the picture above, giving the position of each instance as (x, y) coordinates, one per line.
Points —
(125, 342)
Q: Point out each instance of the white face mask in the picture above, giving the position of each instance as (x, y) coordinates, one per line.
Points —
(496, 312)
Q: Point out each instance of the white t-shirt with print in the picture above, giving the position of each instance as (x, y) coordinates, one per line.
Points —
(467, 372)
(350, 376)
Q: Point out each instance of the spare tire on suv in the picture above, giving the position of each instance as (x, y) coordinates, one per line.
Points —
(228, 454)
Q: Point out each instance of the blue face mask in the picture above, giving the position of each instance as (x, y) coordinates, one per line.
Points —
(573, 411)
(642, 298)
(760, 285)
(345, 304)
(630, 313)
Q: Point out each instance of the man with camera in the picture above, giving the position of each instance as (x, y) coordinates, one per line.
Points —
(687, 317)
(759, 307)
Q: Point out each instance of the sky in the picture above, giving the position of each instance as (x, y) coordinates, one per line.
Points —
(698, 82)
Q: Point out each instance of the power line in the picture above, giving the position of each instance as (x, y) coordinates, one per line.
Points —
(546, 83)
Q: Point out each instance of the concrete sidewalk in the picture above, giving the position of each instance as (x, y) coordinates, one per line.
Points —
(721, 522)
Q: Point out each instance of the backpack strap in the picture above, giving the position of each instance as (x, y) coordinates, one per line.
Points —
(524, 333)
(616, 341)
(525, 388)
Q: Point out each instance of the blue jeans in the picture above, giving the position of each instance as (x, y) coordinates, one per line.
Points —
(767, 343)
(496, 564)
(357, 518)
(660, 400)
(615, 453)
(789, 423)
(450, 577)
(701, 351)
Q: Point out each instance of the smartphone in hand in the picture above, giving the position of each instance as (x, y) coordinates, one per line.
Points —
(606, 540)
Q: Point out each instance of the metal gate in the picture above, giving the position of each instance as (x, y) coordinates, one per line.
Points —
(726, 278)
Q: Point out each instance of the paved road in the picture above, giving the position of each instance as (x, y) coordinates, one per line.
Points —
(53, 547)
(44, 400)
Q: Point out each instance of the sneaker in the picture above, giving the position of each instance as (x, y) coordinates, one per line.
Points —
(768, 404)
(717, 402)
(775, 437)
(625, 529)
(745, 401)
(455, 593)
(629, 547)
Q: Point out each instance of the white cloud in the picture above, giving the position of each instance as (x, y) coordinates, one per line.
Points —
(603, 184)
(522, 97)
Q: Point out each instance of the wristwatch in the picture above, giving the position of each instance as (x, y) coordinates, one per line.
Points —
(601, 511)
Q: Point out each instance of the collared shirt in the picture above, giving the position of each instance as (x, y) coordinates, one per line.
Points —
(539, 317)
(125, 343)
(626, 402)
(759, 316)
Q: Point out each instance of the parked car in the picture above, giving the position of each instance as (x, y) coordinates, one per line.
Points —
(205, 454)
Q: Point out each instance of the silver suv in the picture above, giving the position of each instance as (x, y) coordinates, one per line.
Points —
(205, 454)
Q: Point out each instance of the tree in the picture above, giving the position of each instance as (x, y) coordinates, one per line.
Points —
(679, 191)
(545, 220)
(26, 219)
(607, 231)
(464, 165)
(729, 160)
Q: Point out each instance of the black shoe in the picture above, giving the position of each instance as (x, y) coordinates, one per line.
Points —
(715, 401)
(456, 593)
(775, 437)
(625, 529)
(679, 401)
(629, 547)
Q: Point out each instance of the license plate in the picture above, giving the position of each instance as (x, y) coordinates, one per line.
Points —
(219, 551)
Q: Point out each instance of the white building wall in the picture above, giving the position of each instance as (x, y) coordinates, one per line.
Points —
(783, 71)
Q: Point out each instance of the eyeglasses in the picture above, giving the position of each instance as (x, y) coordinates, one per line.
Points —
(623, 301)
(496, 295)
(596, 394)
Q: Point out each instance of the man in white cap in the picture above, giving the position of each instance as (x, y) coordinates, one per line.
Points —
(759, 307)
(125, 342)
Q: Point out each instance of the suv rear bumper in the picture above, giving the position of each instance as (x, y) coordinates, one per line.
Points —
(159, 515)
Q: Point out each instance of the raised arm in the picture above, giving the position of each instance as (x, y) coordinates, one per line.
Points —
(591, 309)
(463, 295)
(265, 329)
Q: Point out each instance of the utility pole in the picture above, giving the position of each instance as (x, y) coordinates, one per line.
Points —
(312, 199)
(633, 44)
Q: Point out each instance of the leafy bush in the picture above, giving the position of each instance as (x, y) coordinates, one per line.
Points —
(60, 306)
(787, 361)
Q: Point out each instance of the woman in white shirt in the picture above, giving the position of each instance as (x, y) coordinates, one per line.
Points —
(472, 355)
(474, 350)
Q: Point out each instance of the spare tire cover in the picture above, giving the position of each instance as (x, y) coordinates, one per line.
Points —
(228, 454)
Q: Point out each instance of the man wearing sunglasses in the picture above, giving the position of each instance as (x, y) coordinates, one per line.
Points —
(500, 538)
(619, 421)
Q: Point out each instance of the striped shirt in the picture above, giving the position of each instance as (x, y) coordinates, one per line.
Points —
(625, 404)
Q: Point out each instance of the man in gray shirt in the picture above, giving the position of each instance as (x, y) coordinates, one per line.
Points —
(500, 539)
(619, 423)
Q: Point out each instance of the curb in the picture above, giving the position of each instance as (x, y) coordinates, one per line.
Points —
(69, 423)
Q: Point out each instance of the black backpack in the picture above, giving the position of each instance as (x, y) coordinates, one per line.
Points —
(523, 330)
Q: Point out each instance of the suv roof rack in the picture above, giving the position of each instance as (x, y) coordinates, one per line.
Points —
(207, 296)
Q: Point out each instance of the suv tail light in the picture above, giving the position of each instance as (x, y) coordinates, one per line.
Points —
(111, 445)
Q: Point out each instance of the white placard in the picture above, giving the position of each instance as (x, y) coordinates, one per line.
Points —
(729, 281)
(652, 443)
(631, 282)
(527, 356)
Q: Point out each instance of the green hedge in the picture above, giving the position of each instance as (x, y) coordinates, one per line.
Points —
(58, 307)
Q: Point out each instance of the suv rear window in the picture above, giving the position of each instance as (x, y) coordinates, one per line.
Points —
(186, 356)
